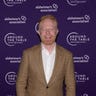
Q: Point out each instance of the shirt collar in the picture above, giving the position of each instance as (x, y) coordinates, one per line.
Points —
(45, 50)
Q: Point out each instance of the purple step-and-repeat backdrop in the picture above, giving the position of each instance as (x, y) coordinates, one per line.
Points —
(77, 32)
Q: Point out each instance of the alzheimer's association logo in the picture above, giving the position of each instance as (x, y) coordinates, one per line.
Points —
(75, 2)
(16, 20)
(47, 8)
(75, 38)
(81, 59)
(80, 19)
(11, 3)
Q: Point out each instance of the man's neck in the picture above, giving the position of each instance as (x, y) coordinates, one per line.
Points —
(49, 47)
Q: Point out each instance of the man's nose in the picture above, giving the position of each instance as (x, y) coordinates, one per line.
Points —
(48, 31)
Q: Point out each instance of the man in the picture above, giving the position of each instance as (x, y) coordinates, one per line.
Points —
(45, 67)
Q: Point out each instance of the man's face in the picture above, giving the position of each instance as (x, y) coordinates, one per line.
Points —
(48, 31)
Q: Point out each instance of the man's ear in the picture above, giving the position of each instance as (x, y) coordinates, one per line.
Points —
(57, 31)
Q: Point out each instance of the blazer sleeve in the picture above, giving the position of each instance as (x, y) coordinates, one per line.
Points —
(70, 77)
(22, 76)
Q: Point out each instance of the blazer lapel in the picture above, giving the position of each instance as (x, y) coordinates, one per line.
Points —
(40, 68)
(57, 66)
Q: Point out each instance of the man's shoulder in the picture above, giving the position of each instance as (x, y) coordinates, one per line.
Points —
(33, 48)
(64, 50)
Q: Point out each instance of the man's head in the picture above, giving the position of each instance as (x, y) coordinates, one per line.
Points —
(48, 29)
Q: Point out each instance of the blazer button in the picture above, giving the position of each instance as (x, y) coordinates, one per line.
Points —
(47, 87)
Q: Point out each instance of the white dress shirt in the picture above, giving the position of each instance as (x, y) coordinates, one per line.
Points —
(48, 61)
